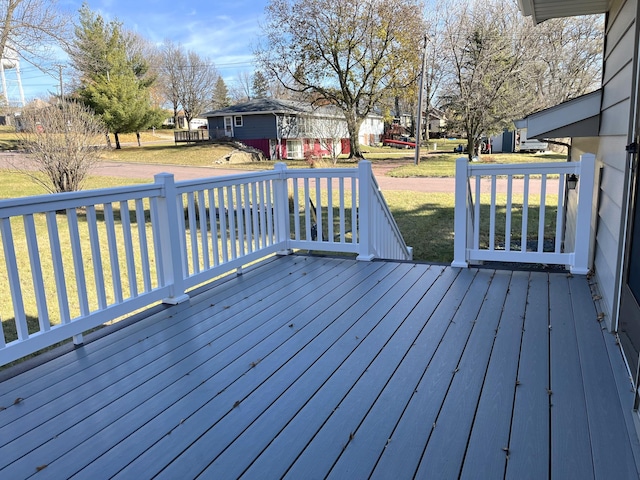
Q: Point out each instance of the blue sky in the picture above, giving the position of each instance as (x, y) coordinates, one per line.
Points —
(224, 31)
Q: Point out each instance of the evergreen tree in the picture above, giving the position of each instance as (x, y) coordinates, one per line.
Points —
(112, 75)
(220, 95)
(260, 85)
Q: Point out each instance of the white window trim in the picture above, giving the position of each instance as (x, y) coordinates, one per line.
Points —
(235, 121)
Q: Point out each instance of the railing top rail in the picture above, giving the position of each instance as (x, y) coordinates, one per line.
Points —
(50, 202)
(250, 177)
(523, 168)
(225, 180)
(322, 172)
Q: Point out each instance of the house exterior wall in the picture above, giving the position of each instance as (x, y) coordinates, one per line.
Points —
(620, 34)
(371, 131)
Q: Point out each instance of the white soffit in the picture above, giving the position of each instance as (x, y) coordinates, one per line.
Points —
(579, 117)
(541, 10)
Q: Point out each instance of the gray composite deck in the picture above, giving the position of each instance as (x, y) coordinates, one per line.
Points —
(310, 367)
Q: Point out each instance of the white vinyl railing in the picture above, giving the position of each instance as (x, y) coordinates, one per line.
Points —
(524, 213)
(74, 261)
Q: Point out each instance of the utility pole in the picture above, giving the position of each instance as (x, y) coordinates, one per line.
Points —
(419, 116)
(61, 90)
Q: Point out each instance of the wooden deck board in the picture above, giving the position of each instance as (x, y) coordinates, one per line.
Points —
(570, 447)
(404, 451)
(529, 440)
(445, 451)
(311, 367)
(489, 441)
(614, 458)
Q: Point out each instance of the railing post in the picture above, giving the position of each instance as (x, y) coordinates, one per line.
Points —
(281, 198)
(365, 224)
(460, 223)
(583, 217)
(170, 251)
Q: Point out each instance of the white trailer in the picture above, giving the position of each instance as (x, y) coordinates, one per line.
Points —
(523, 144)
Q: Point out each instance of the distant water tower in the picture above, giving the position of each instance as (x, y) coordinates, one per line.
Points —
(10, 64)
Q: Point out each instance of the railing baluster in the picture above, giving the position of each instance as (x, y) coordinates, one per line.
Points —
(492, 215)
(543, 209)
(307, 211)
(262, 220)
(525, 214)
(231, 209)
(342, 211)
(144, 246)
(96, 257)
(125, 220)
(355, 209)
(476, 217)
(193, 232)
(239, 208)
(58, 267)
(507, 227)
(36, 273)
(330, 209)
(19, 313)
(296, 210)
(78, 264)
(560, 213)
(320, 228)
(247, 218)
(270, 210)
(204, 231)
(222, 216)
(156, 234)
(116, 279)
(213, 209)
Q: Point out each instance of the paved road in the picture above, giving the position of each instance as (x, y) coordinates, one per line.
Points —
(386, 183)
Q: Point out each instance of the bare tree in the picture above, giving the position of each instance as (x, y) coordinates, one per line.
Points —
(486, 44)
(32, 28)
(241, 89)
(566, 59)
(197, 83)
(169, 75)
(345, 52)
(64, 143)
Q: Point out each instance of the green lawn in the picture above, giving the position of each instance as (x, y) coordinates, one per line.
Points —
(444, 164)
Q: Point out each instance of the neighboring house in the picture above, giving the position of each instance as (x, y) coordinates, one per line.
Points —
(196, 123)
(436, 123)
(605, 122)
(288, 129)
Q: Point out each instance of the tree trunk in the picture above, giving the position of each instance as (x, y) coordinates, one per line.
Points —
(117, 140)
(353, 127)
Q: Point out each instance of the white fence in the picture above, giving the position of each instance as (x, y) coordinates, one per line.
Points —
(86, 258)
(521, 213)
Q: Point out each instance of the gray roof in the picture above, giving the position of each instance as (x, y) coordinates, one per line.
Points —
(264, 105)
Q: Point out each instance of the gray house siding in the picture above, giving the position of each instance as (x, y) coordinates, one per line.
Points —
(256, 126)
(253, 126)
(614, 131)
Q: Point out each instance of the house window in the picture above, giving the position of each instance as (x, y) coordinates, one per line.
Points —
(294, 149)
(237, 121)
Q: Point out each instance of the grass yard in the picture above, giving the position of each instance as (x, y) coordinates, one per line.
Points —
(443, 165)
